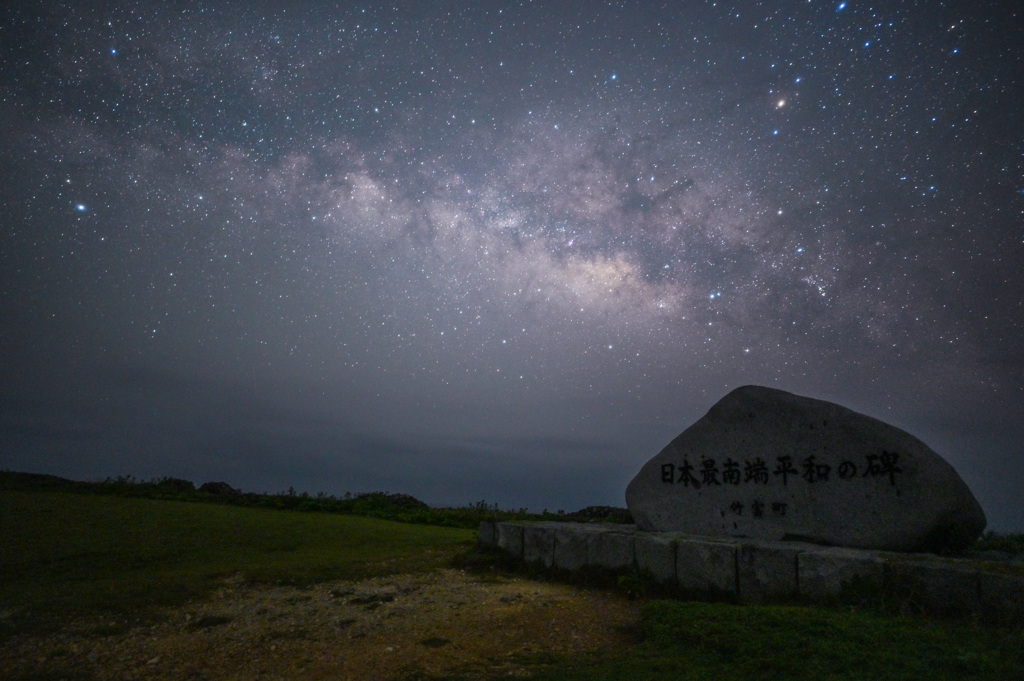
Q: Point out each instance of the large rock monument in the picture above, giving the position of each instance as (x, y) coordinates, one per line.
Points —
(767, 464)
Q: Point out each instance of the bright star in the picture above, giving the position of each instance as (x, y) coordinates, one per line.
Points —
(80, 207)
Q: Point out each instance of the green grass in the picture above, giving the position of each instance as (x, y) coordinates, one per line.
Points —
(721, 642)
(79, 554)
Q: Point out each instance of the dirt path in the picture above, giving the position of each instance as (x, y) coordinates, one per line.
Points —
(444, 622)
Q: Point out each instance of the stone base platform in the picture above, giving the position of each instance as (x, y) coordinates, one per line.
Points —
(758, 571)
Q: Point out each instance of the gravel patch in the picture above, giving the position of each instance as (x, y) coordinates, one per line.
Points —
(445, 622)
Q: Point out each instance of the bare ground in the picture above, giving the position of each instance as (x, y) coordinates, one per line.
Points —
(445, 623)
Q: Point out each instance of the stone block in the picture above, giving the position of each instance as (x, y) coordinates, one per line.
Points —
(656, 553)
(946, 587)
(539, 544)
(706, 566)
(610, 549)
(510, 538)
(766, 570)
(823, 572)
(488, 534)
(570, 546)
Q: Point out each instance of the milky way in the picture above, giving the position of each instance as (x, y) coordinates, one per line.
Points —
(502, 250)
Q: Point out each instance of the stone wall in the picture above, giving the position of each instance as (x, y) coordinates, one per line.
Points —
(757, 571)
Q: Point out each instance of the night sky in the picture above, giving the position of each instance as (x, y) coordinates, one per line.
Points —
(502, 250)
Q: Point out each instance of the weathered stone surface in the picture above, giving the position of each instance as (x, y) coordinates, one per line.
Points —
(611, 549)
(538, 545)
(656, 553)
(767, 464)
(767, 570)
(823, 572)
(706, 566)
(933, 585)
(755, 570)
(570, 546)
(510, 539)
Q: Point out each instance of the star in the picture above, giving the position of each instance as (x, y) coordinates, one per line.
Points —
(361, 207)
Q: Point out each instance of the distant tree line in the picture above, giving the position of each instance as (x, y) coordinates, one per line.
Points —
(384, 505)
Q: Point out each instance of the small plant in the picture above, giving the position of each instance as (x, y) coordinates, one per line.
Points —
(634, 584)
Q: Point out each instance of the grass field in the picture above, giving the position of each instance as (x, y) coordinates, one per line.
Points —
(721, 642)
(78, 555)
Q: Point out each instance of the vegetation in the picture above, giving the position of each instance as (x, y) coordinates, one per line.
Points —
(74, 554)
(1010, 544)
(122, 550)
(383, 505)
(398, 507)
(717, 641)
